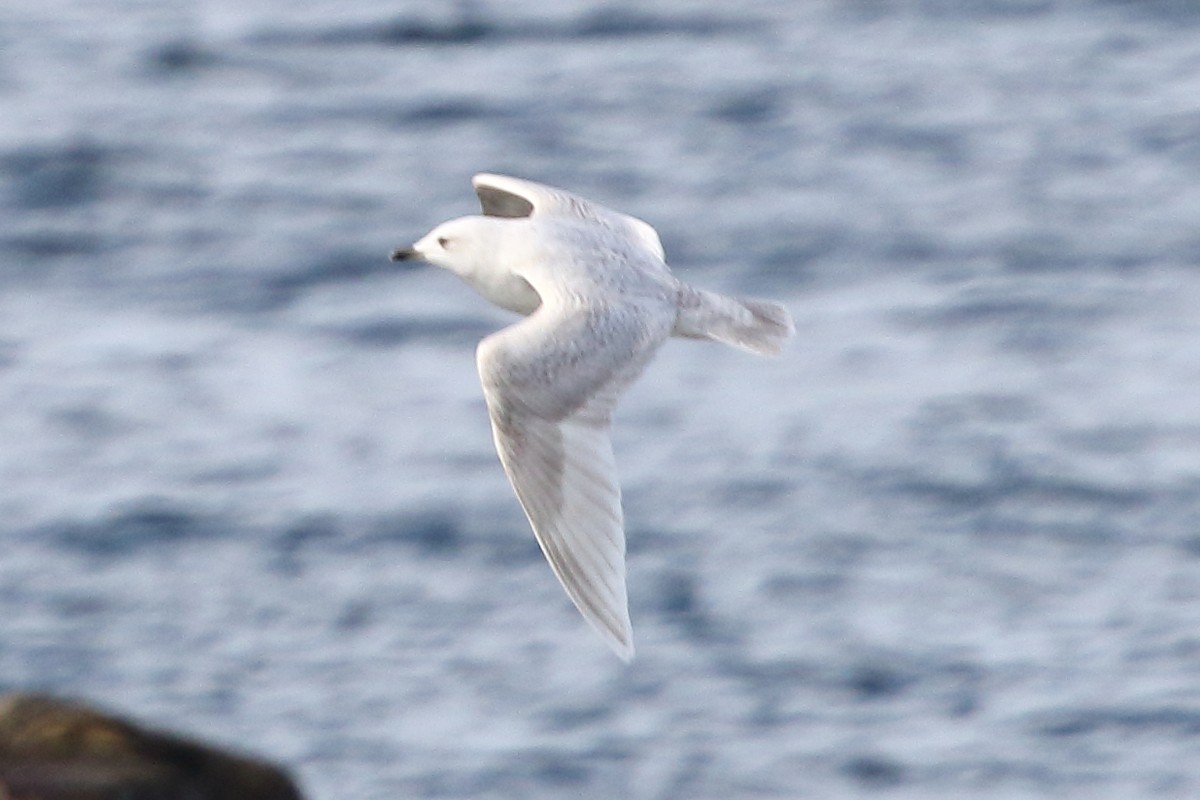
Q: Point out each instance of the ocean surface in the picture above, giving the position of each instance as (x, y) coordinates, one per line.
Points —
(947, 546)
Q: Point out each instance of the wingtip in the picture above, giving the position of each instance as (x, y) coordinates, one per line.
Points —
(623, 649)
(618, 638)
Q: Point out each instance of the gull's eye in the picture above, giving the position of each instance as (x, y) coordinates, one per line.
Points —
(443, 241)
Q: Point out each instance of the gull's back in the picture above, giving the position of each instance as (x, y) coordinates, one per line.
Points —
(580, 261)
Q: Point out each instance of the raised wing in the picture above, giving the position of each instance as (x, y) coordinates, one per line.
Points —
(551, 410)
(502, 196)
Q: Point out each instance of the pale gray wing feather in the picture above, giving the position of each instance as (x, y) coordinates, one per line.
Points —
(550, 410)
(504, 196)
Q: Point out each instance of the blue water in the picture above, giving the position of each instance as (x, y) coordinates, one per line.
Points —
(947, 546)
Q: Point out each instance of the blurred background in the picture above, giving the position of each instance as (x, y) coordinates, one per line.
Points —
(948, 545)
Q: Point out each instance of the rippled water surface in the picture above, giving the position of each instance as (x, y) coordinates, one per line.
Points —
(948, 545)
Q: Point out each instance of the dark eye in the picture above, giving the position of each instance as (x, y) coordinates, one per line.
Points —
(443, 241)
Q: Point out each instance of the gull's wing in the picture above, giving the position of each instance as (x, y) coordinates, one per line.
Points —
(551, 407)
(502, 196)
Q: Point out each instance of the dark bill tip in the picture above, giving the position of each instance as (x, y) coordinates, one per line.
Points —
(404, 254)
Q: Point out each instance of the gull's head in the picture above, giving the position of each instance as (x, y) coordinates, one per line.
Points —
(478, 250)
(465, 246)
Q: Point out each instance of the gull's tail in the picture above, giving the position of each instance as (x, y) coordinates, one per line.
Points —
(755, 325)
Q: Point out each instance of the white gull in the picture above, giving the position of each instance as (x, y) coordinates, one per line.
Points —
(598, 300)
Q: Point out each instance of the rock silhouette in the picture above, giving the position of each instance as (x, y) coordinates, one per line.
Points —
(55, 749)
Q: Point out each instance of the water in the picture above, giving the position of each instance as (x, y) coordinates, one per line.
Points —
(949, 545)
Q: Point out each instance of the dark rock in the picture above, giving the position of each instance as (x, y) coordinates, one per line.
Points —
(53, 749)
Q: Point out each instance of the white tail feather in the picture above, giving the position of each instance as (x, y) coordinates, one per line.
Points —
(758, 326)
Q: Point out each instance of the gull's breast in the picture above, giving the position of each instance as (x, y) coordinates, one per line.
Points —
(507, 290)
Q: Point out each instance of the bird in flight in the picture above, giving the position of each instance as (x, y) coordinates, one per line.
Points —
(598, 301)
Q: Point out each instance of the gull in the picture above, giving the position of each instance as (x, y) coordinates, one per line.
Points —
(598, 300)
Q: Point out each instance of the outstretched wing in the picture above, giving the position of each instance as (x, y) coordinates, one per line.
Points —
(551, 406)
(502, 196)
